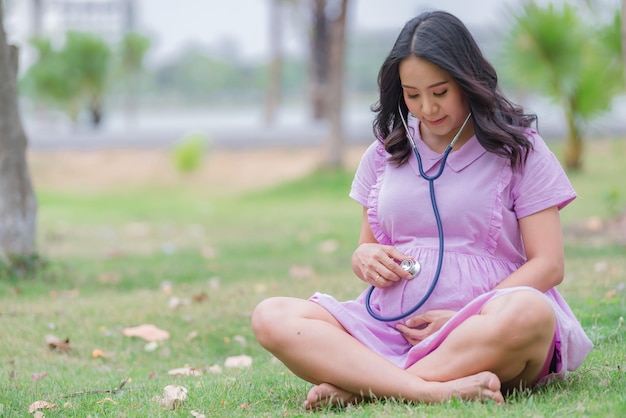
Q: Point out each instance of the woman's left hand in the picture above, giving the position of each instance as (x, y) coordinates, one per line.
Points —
(419, 327)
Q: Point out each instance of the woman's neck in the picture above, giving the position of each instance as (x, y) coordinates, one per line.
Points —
(439, 143)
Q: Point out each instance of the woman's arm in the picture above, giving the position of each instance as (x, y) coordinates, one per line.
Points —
(543, 242)
(374, 263)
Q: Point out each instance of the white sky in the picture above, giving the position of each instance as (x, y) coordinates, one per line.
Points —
(173, 24)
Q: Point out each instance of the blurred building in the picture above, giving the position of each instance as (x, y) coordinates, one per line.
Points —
(24, 19)
(107, 18)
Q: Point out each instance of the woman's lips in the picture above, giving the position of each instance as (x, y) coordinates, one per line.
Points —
(436, 122)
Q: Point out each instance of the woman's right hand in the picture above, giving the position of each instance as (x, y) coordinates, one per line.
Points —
(378, 264)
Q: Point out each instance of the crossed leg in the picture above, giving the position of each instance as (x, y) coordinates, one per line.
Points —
(310, 342)
(511, 337)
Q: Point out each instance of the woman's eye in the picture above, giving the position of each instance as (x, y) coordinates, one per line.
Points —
(440, 93)
(412, 96)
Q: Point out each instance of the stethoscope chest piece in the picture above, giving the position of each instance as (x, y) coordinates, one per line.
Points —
(412, 266)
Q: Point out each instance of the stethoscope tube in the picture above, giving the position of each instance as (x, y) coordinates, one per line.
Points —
(433, 200)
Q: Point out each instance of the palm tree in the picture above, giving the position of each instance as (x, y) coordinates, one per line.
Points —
(554, 53)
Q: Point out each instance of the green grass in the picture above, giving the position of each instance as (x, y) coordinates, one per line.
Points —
(116, 259)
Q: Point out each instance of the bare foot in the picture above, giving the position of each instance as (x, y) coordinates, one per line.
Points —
(326, 394)
(481, 386)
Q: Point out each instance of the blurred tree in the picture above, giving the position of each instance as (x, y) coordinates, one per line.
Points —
(46, 79)
(76, 75)
(624, 36)
(87, 59)
(555, 52)
(319, 60)
(18, 206)
(333, 147)
(276, 59)
(200, 75)
(133, 48)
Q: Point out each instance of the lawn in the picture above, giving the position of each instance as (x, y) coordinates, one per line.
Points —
(126, 241)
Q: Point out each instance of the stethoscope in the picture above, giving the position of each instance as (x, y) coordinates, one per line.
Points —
(413, 266)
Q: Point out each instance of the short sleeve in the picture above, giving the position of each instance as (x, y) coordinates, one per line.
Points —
(367, 173)
(542, 182)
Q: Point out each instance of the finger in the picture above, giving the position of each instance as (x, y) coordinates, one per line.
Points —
(418, 321)
(378, 280)
(409, 334)
(392, 271)
(394, 253)
(386, 273)
(394, 265)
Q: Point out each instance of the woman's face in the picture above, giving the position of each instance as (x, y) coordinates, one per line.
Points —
(435, 98)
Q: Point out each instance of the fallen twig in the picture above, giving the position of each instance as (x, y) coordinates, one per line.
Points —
(112, 391)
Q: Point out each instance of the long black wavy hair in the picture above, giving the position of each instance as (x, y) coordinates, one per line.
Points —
(442, 39)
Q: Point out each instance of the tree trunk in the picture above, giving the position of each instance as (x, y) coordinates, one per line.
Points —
(320, 40)
(574, 144)
(624, 35)
(273, 89)
(334, 147)
(37, 14)
(18, 206)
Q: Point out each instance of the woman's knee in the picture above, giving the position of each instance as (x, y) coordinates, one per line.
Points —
(266, 317)
(524, 313)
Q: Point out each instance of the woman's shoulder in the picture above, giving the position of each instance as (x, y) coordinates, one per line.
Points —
(375, 151)
(539, 145)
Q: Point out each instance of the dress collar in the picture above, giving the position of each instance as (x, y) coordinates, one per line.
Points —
(457, 160)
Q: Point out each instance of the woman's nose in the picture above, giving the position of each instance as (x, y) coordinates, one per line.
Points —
(428, 106)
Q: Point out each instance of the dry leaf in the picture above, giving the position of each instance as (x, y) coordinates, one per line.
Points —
(215, 369)
(594, 224)
(175, 302)
(197, 414)
(38, 376)
(329, 246)
(66, 294)
(214, 283)
(185, 371)
(260, 288)
(106, 400)
(148, 332)
(109, 278)
(40, 405)
(166, 287)
(238, 361)
(39, 414)
(56, 344)
(208, 252)
(151, 346)
(610, 294)
(200, 297)
(301, 272)
(98, 353)
(192, 335)
(173, 396)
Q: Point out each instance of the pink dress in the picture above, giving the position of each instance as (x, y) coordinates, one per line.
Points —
(480, 199)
